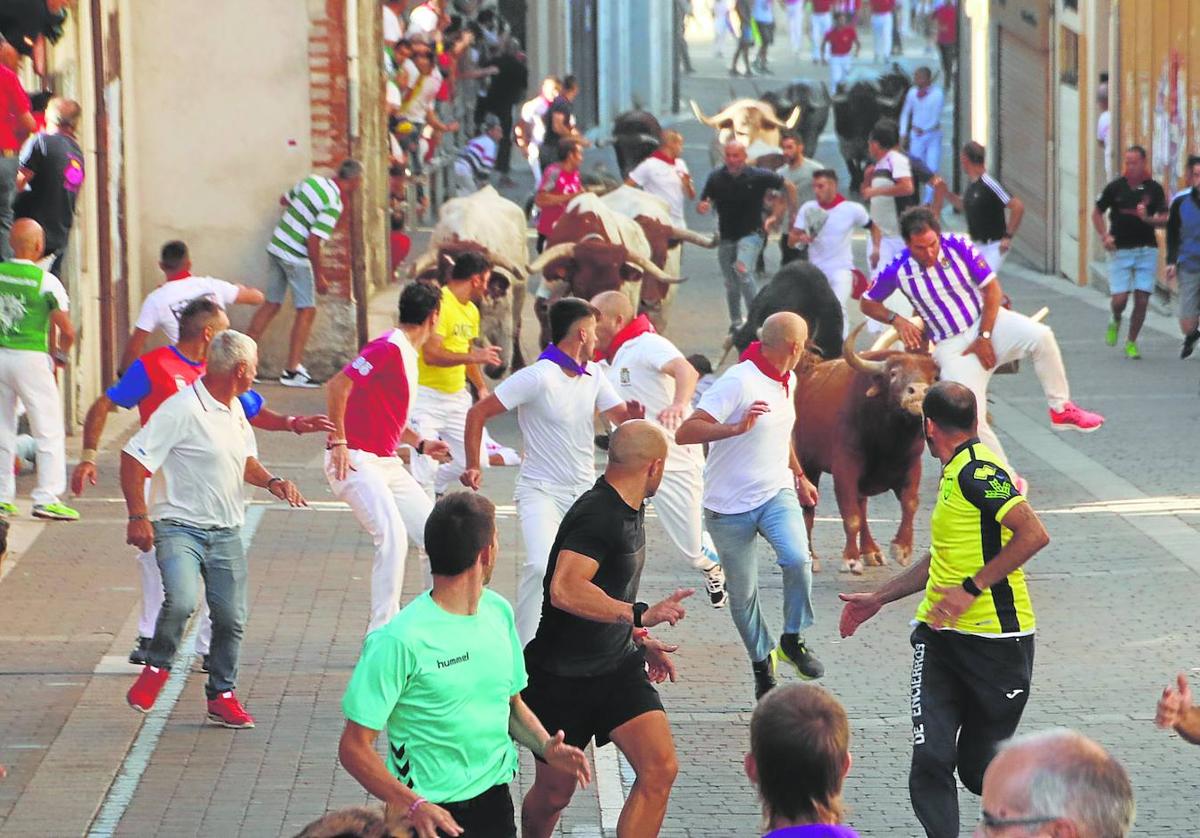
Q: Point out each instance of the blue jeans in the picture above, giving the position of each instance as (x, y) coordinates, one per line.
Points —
(740, 282)
(184, 554)
(8, 192)
(781, 523)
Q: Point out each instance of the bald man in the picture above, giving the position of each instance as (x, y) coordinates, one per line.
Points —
(33, 306)
(753, 484)
(646, 367)
(1058, 783)
(592, 662)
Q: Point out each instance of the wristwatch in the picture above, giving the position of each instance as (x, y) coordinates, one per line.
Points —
(986, 334)
(639, 608)
(968, 585)
(892, 317)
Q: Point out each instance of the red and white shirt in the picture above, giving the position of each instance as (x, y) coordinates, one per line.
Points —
(385, 378)
(557, 181)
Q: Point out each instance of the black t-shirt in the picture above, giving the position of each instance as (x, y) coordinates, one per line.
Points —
(601, 526)
(984, 202)
(563, 106)
(57, 165)
(739, 199)
(507, 87)
(1120, 201)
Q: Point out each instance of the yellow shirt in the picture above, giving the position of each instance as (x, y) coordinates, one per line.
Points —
(974, 495)
(458, 325)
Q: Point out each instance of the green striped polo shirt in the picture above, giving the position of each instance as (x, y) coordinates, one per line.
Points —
(314, 205)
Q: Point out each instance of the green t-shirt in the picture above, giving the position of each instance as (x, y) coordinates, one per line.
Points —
(28, 296)
(442, 684)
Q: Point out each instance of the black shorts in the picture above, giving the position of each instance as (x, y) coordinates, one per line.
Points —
(591, 706)
(487, 815)
(766, 31)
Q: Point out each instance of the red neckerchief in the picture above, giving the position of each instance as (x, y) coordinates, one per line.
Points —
(659, 154)
(639, 325)
(837, 199)
(754, 353)
(179, 275)
(922, 92)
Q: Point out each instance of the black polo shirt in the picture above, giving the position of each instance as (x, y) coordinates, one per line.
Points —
(984, 202)
(1120, 201)
(739, 199)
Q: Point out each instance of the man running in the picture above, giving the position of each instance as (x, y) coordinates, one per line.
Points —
(447, 359)
(889, 189)
(971, 333)
(369, 403)
(750, 487)
(559, 185)
(800, 170)
(444, 677)
(921, 121)
(993, 215)
(973, 644)
(647, 368)
(592, 664)
(1183, 257)
(533, 125)
(556, 398)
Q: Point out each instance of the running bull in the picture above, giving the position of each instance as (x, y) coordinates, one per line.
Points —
(802, 288)
(813, 103)
(857, 108)
(635, 136)
(749, 121)
(486, 222)
(859, 419)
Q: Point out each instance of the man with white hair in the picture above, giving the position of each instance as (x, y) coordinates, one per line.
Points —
(199, 447)
(1059, 783)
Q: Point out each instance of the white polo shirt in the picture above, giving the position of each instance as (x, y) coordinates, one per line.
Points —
(555, 412)
(743, 472)
(832, 231)
(421, 102)
(196, 449)
(636, 373)
(660, 178)
(162, 306)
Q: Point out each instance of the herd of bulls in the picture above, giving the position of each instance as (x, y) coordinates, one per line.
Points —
(858, 414)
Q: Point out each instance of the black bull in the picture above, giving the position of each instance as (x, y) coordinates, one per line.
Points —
(635, 135)
(801, 288)
(857, 108)
(814, 104)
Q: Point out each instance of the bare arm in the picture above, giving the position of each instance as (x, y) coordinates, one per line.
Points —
(137, 339)
(437, 355)
(702, 427)
(901, 188)
(525, 728)
(1028, 537)
(545, 198)
(133, 484)
(61, 321)
(1016, 211)
(1099, 223)
(314, 259)
(993, 294)
(356, 752)
(93, 423)
(249, 296)
(477, 417)
(572, 590)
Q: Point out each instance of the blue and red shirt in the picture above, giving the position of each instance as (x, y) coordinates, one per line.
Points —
(160, 374)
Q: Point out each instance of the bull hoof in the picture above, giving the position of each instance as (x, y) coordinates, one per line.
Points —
(852, 566)
(901, 553)
(816, 564)
(874, 558)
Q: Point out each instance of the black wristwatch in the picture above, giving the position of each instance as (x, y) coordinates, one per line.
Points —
(968, 585)
(639, 608)
(420, 446)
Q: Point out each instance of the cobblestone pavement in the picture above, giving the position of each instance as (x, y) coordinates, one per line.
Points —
(1114, 592)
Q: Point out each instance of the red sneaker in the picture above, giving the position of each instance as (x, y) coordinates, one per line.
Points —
(227, 711)
(145, 689)
(1075, 418)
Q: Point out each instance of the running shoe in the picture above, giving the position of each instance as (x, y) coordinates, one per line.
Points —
(55, 512)
(225, 710)
(1189, 343)
(764, 675)
(714, 574)
(1131, 351)
(792, 650)
(298, 377)
(137, 657)
(1075, 418)
(202, 666)
(8, 509)
(1110, 337)
(145, 689)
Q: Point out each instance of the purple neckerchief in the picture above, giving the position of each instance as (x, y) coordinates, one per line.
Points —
(553, 353)
(816, 830)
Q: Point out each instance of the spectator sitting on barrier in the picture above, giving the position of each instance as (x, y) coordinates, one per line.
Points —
(473, 167)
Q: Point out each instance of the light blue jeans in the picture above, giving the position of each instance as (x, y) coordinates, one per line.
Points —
(740, 284)
(186, 552)
(781, 522)
(8, 192)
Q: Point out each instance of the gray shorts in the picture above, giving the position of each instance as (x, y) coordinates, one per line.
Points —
(1189, 293)
(296, 275)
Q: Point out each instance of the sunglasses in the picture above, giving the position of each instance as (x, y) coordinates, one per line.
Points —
(989, 821)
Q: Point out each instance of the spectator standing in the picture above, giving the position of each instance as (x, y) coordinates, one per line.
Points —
(419, 83)
(799, 757)
(1183, 258)
(1058, 782)
(427, 19)
(444, 677)
(800, 170)
(993, 215)
(312, 209)
(764, 22)
(51, 166)
(503, 95)
(921, 122)
(738, 191)
(882, 22)
(369, 405)
(16, 123)
(839, 49)
(795, 23)
(945, 17)
(820, 23)
(533, 126)
(560, 122)
(746, 419)
(199, 448)
(35, 305)
(474, 164)
(1135, 204)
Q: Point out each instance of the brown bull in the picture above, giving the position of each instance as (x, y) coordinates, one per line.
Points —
(859, 419)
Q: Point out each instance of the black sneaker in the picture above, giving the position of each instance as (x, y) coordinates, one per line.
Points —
(138, 656)
(1189, 343)
(792, 650)
(203, 665)
(764, 675)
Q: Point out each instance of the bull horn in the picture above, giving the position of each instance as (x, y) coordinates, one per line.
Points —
(856, 361)
(794, 118)
(500, 261)
(685, 235)
(424, 263)
(647, 267)
(707, 120)
(566, 250)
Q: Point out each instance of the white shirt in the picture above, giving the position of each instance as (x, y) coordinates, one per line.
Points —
(162, 306)
(660, 178)
(421, 103)
(924, 113)
(555, 412)
(393, 29)
(196, 448)
(1104, 135)
(422, 20)
(743, 472)
(883, 207)
(832, 231)
(533, 112)
(636, 373)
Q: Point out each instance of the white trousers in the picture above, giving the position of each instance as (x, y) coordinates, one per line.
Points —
(440, 415)
(795, 17)
(28, 376)
(678, 503)
(842, 283)
(991, 254)
(392, 507)
(927, 148)
(889, 249)
(540, 507)
(839, 68)
(820, 24)
(533, 153)
(1014, 336)
(881, 29)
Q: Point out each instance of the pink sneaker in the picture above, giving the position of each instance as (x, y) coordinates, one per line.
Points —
(1075, 418)
(227, 711)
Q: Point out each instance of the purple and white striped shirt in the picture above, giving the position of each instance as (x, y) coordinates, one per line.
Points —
(946, 296)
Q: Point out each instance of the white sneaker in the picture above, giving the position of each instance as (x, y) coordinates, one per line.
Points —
(298, 377)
